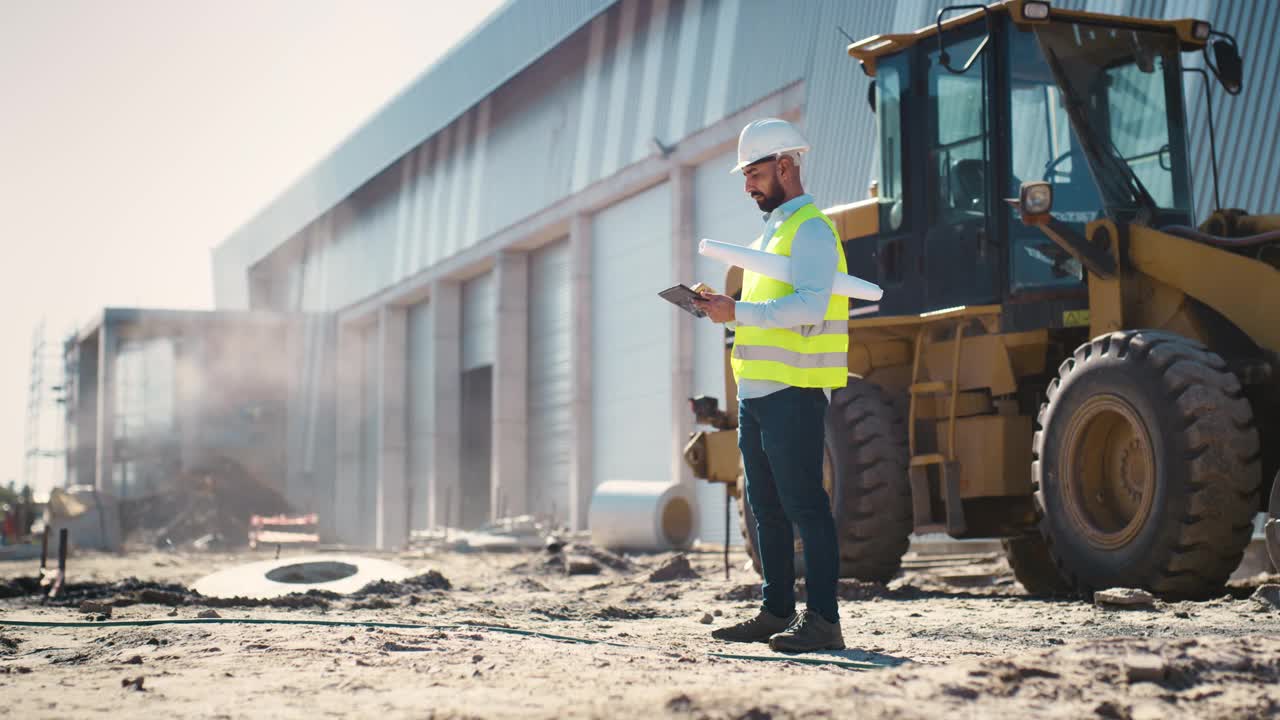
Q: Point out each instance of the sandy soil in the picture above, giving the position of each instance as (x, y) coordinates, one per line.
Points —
(950, 638)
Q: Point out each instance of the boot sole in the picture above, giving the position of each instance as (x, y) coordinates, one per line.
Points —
(743, 642)
(784, 649)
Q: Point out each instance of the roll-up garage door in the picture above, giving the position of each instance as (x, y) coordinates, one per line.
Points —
(550, 381)
(479, 341)
(631, 339)
(479, 310)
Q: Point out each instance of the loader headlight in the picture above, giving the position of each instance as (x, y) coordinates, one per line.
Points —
(1200, 30)
(1036, 198)
(1035, 10)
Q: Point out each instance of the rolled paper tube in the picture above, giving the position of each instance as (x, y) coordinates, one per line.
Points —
(778, 267)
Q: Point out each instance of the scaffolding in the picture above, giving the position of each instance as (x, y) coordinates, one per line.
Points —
(44, 438)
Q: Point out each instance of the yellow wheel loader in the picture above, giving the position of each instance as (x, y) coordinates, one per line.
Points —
(1062, 359)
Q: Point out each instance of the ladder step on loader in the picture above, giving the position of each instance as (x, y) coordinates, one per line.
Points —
(948, 467)
(918, 475)
(934, 387)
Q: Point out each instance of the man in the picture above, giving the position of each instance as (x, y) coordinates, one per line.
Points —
(790, 347)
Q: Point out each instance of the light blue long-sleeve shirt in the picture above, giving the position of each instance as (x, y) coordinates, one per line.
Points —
(813, 264)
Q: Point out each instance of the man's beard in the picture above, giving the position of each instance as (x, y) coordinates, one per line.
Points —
(770, 202)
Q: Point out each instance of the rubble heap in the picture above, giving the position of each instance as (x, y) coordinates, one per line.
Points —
(209, 507)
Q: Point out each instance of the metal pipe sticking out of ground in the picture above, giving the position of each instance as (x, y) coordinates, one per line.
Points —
(54, 582)
(727, 500)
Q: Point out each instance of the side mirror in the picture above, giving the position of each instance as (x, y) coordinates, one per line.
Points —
(1230, 67)
(871, 96)
(1034, 201)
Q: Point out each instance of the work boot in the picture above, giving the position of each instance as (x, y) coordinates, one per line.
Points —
(810, 632)
(758, 629)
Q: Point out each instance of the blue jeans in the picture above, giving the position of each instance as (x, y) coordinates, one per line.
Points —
(781, 439)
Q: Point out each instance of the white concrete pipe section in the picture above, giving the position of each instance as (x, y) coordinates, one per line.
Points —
(342, 574)
(778, 267)
(640, 515)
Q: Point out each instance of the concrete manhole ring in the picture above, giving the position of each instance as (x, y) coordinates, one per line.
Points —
(311, 573)
(342, 574)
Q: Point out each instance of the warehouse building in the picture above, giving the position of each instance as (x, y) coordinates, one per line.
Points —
(479, 263)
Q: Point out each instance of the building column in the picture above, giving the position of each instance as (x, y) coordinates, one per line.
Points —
(446, 403)
(392, 528)
(581, 475)
(82, 466)
(104, 460)
(348, 410)
(683, 248)
(509, 468)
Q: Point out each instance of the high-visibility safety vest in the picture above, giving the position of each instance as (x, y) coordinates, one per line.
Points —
(810, 356)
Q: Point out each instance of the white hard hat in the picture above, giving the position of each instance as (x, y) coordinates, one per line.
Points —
(765, 138)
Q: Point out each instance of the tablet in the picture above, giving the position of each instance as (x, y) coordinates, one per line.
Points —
(682, 297)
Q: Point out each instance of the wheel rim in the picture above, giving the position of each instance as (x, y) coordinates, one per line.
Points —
(1109, 471)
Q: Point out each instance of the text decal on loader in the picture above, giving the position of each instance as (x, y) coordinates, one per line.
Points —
(1075, 318)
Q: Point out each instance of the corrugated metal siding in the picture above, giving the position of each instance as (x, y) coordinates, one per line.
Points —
(774, 45)
(631, 340)
(419, 413)
(837, 121)
(479, 326)
(507, 43)
(1248, 154)
(584, 111)
(550, 389)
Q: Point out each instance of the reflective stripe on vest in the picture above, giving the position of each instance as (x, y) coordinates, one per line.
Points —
(805, 356)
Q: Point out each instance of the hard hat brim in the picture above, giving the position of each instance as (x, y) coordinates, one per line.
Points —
(739, 167)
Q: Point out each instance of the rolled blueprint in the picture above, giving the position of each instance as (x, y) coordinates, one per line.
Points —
(778, 267)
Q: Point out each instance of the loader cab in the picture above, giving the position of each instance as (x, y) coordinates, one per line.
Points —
(966, 115)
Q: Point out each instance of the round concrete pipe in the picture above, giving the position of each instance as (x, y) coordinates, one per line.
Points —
(341, 574)
(636, 515)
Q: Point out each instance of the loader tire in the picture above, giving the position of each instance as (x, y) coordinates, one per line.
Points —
(1147, 466)
(1033, 567)
(870, 492)
(865, 472)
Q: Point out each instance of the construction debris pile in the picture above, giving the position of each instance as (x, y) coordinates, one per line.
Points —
(208, 508)
(563, 558)
(97, 598)
(514, 534)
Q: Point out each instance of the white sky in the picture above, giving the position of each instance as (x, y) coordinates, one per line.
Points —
(136, 134)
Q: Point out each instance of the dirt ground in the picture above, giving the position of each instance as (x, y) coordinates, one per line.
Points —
(952, 637)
